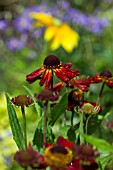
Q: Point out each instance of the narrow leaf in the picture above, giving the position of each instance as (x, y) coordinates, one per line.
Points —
(58, 110)
(104, 161)
(99, 143)
(15, 126)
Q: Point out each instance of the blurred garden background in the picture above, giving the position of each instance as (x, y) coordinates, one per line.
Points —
(24, 44)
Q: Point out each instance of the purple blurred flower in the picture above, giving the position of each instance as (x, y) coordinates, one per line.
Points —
(64, 4)
(96, 25)
(37, 33)
(91, 23)
(15, 44)
(3, 24)
(23, 23)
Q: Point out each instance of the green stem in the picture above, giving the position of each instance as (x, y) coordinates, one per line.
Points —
(64, 118)
(45, 116)
(100, 94)
(24, 122)
(81, 128)
(86, 126)
(72, 116)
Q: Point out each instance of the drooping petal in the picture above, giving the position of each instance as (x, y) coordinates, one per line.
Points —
(71, 38)
(109, 83)
(43, 18)
(67, 65)
(58, 87)
(61, 76)
(48, 80)
(50, 32)
(95, 79)
(70, 73)
(46, 77)
(32, 77)
(81, 84)
(82, 87)
(56, 41)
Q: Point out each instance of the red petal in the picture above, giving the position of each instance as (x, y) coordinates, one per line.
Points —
(46, 77)
(67, 65)
(58, 87)
(64, 142)
(109, 83)
(82, 87)
(61, 76)
(70, 73)
(48, 80)
(34, 75)
(95, 79)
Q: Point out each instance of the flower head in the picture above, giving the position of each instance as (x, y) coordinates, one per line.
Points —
(105, 76)
(75, 97)
(52, 64)
(84, 158)
(60, 34)
(85, 152)
(22, 100)
(59, 154)
(87, 108)
(29, 157)
(46, 95)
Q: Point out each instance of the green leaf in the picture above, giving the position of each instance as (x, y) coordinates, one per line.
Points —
(64, 130)
(15, 126)
(58, 110)
(38, 138)
(71, 134)
(99, 143)
(104, 161)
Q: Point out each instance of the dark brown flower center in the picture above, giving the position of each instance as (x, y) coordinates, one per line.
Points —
(58, 149)
(22, 100)
(87, 150)
(106, 73)
(25, 156)
(51, 60)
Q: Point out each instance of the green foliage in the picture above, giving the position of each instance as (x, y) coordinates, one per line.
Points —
(58, 110)
(15, 125)
(99, 143)
(38, 138)
(71, 134)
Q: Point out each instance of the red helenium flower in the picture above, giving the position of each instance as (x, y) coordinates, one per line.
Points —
(105, 76)
(59, 155)
(29, 157)
(52, 64)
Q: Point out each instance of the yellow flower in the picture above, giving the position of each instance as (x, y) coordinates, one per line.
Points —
(60, 34)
